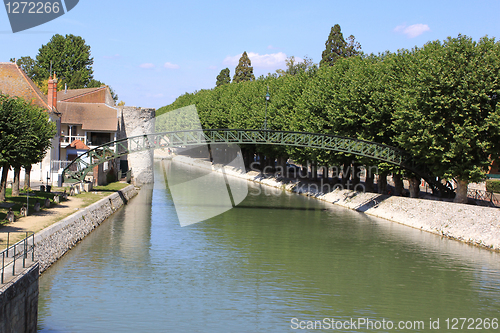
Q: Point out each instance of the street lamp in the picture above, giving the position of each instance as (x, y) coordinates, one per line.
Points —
(268, 99)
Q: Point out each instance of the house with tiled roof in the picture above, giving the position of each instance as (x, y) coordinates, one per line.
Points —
(88, 115)
(89, 119)
(15, 83)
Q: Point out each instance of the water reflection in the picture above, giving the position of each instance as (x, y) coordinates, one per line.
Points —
(254, 268)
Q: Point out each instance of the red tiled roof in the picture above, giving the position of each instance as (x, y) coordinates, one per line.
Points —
(78, 145)
(65, 95)
(92, 116)
(15, 83)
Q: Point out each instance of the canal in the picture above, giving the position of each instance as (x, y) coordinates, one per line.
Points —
(274, 263)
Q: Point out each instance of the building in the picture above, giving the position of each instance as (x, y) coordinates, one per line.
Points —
(89, 119)
(15, 83)
(88, 115)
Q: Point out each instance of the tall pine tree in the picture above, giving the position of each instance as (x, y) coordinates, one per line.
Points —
(224, 77)
(244, 70)
(337, 47)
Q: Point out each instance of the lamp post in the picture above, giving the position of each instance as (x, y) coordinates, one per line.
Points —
(268, 99)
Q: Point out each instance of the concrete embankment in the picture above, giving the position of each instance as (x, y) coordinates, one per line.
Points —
(53, 242)
(475, 225)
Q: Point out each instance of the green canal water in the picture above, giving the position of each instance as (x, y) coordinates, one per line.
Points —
(276, 263)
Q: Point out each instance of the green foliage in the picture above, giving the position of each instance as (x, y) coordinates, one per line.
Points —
(70, 58)
(438, 102)
(446, 105)
(223, 77)
(26, 132)
(244, 70)
(493, 185)
(337, 47)
(28, 65)
(293, 67)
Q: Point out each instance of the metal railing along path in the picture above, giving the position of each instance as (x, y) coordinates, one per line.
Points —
(12, 254)
(84, 163)
(484, 196)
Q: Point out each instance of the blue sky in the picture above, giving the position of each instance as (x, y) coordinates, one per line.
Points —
(150, 51)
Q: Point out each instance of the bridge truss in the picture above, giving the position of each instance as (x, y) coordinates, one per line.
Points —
(84, 163)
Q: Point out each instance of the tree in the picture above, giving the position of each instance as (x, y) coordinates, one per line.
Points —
(293, 67)
(223, 77)
(446, 113)
(69, 57)
(244, 70)
(28, 65)
(26, 135)
(337, 47)
(39, 136)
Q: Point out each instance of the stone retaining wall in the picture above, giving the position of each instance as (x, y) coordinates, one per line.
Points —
(19, 302)
(54, 241)
(475, 225)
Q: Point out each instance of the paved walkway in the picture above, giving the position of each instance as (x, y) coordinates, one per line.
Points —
(38, 221)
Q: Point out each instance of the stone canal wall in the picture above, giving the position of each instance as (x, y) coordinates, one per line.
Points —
(54, 241)
(19, 302)
(475, 225)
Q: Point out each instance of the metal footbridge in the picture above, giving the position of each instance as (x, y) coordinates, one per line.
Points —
(84, 163)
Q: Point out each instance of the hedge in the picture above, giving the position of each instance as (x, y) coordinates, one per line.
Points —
(493, 185)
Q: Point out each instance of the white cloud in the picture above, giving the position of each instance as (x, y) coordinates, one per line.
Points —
(272, 60)
(400, 28)
(147, 65)
(412, 31)
(169, 65)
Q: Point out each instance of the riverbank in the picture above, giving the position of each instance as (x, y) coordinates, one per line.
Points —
(471, 224)
(54, 241)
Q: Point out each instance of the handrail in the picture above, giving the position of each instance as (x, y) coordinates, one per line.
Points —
(484, 196)
(13, 253)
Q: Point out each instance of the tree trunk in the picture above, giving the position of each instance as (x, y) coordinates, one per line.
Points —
(414, 187)
(345, 173)
(398, 184)
(3, 182)
(382, 183)
(356, 169)
(27, 176)
(324, 172)
(314, 171)
(461, 196)
(369, 182)
(15, 185)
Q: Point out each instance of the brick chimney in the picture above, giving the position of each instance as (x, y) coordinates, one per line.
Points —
(52, 93)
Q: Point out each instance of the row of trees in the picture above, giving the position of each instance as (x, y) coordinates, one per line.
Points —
(69, 57)
(438, 102)
(26, 136)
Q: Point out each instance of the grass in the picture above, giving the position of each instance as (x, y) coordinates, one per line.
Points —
(18, 202)
(100, 192)
(89, 198)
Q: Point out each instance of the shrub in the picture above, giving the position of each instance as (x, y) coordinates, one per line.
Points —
(493, 185)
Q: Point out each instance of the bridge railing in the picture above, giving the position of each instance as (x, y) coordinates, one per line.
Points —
(84, 163)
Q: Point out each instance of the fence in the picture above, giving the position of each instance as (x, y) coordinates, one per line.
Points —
(15, 252)
(58, 165)
(488, 197)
